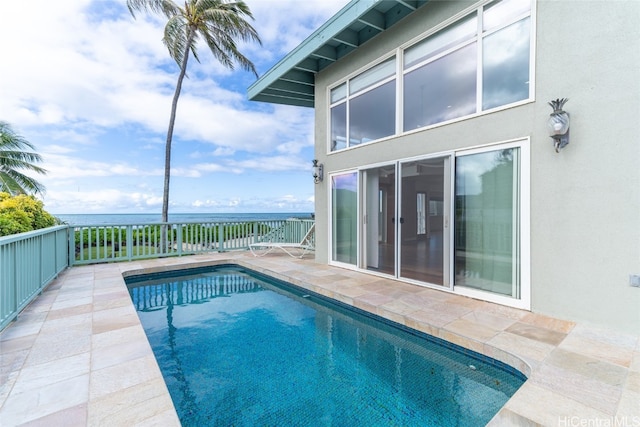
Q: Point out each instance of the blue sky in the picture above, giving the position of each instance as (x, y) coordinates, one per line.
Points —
(91, 87)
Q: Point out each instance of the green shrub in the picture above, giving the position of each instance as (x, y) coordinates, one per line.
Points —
(13, 223)
(22, 213)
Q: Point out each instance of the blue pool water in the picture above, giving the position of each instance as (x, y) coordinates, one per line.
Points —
(237, 348)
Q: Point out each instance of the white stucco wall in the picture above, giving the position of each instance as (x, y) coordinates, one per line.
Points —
(585, 201)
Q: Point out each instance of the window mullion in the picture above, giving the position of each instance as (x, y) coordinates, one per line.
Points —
(399, 91)
(348, 126)
(479, 64)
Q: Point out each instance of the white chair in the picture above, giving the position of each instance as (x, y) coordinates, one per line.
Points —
(291, 249)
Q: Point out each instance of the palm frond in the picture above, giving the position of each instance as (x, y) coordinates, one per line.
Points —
(8, 185)
(164, 7)
(20, 160)
(14, 182)
(9, 139)
(175, 38)
(221, 26)
(15, 155)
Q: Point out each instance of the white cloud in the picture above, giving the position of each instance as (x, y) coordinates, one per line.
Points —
(224, 151)
(97, 201)
(283, 24)
(62, 167)
(93, 87)
(58, 149)
(270, 164)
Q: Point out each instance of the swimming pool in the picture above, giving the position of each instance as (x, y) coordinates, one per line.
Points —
(240, 348)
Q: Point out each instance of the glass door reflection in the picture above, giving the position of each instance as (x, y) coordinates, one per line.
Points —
(424, 225)
(379, 236)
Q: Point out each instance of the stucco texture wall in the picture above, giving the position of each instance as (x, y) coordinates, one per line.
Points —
(585, 200)
(585, 228)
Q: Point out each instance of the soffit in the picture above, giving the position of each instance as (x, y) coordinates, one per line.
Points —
(291, 81)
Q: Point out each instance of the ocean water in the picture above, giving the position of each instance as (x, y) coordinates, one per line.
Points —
(119, 219)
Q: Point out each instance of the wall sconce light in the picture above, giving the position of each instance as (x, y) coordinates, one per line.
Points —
(558, 124)
(318, 172)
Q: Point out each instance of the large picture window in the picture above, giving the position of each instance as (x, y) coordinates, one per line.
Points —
(444, 84)
(478, 63)
(505, 76)
(454, 96)
(368, 101)
(372, 114)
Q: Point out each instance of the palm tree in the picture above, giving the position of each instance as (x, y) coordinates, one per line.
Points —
(219, 23)
(16, 154)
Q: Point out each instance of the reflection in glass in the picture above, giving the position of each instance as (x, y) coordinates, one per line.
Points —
(422, 252)
(339, 127)
(441, 41)
(380, 211)
(487, 222)
(372, 115)
(421, 209)
(344, 217)
(441, 90)
(446, 76)
(338, 93)
(372, 76)
(506, 66)
(502, 11)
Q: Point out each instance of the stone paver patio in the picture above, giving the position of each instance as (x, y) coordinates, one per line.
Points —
(79, 356)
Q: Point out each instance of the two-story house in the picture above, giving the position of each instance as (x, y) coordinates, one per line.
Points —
(433, 127)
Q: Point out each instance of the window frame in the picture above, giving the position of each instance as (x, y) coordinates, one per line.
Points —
(524, 237)
(349, 96)
(398, 52)
(331, 246)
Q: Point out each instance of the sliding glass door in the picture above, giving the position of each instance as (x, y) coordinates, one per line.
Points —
(344, 218)
(405, 229)
(424, 223)
(379, 214)
(487, 222)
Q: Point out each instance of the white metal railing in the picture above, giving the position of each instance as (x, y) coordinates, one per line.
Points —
(125, 242)
(30, 261)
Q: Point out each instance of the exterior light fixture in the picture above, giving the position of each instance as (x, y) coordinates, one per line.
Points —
(558, 124)
(318, 170)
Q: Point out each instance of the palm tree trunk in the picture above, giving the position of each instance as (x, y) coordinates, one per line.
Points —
(167, 151)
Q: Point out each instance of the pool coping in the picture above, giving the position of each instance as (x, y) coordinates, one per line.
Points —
(575, 372)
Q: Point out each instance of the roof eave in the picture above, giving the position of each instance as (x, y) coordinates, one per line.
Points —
(337, 24)
(291, 81)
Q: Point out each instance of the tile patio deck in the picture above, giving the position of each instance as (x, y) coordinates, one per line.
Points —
(79, 356)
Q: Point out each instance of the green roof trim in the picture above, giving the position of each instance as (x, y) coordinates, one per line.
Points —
(291, 81)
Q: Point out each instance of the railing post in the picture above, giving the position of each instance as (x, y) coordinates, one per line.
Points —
(40, 266)
(81, 242)
(15, 279)
(59, 240)
(129, 244)
(179, 231)
(71, 239)
(221, 237)
(255, 232)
